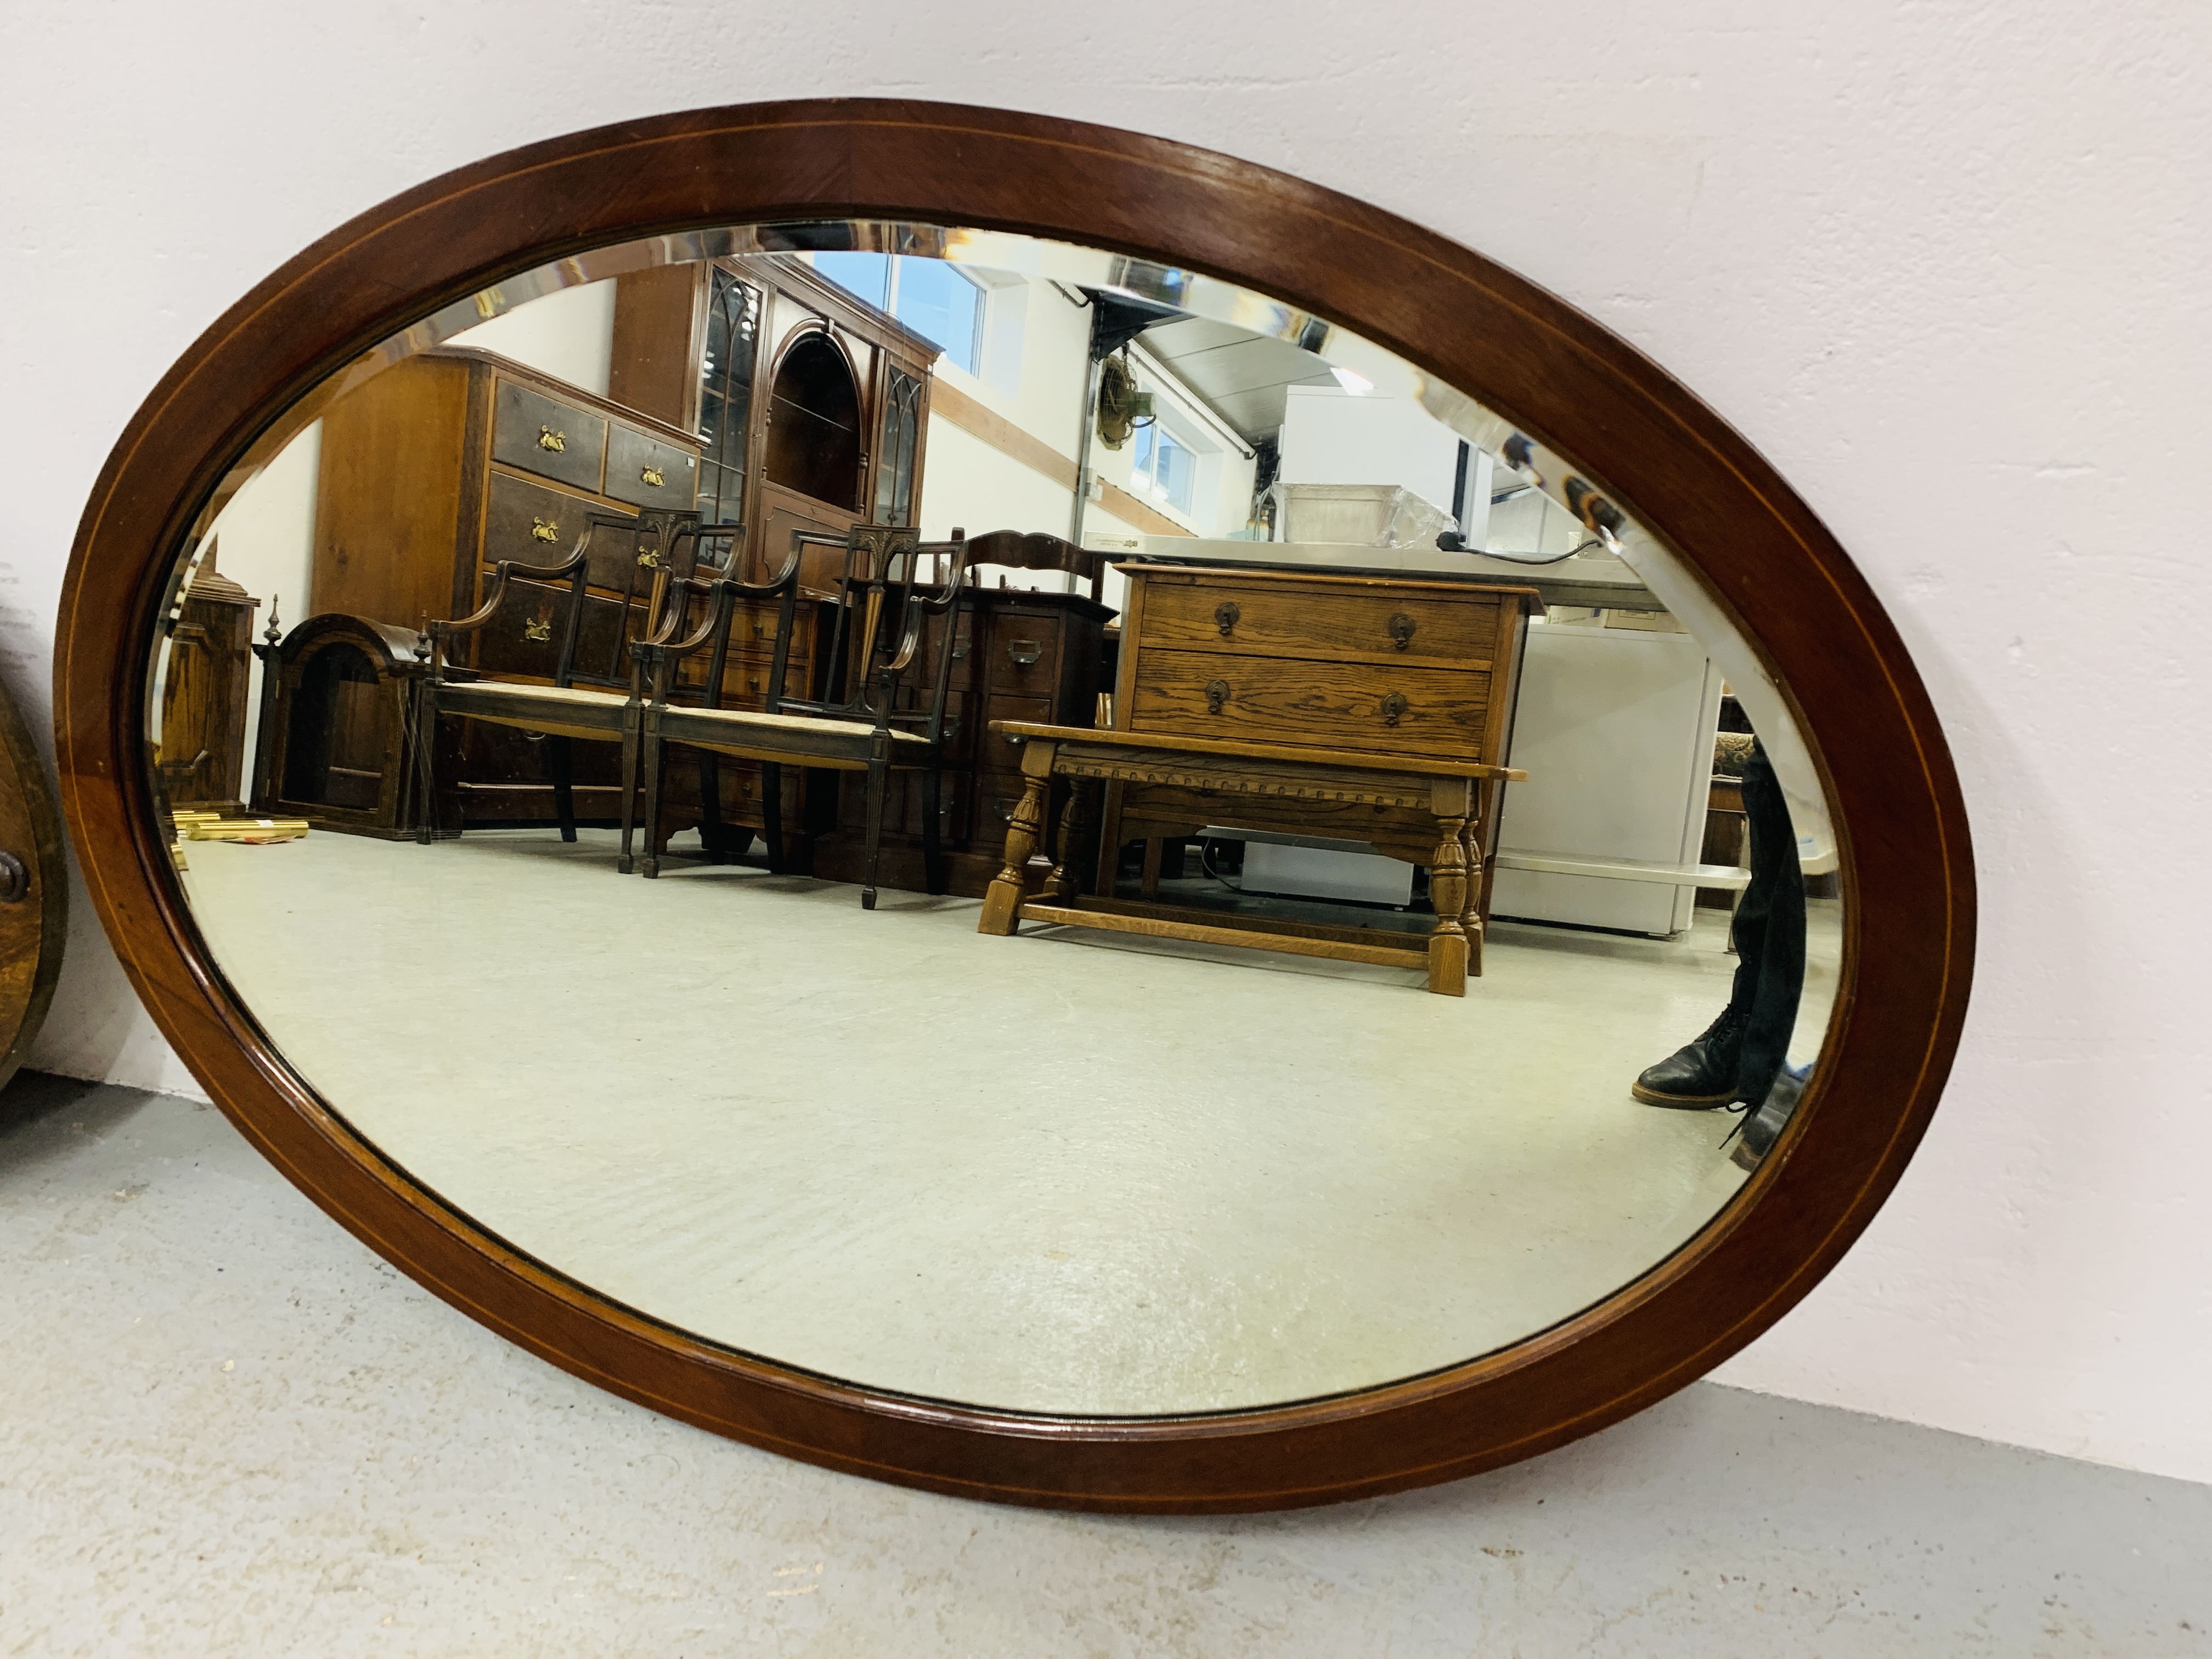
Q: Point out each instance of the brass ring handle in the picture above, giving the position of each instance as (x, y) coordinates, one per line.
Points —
(1401, 630)
(15, 880)
(549, 439)
(1226, 618)
(1217, 693)
(1393, 706)
(544, 530)
(651, 475)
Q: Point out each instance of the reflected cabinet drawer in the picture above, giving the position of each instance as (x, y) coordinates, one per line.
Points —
(553, 439)
(649, 473)
(1340, 623)
(523, 638)
(1343, 705)
(529, 522)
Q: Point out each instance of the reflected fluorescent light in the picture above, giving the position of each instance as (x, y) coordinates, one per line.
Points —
(1355, 384)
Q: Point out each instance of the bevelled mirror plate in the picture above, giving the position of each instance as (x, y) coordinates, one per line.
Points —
(1006, 828)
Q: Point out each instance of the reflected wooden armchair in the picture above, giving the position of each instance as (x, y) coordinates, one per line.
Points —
(859, 726)
(546, 606)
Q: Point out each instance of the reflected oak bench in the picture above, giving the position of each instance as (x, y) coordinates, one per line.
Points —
(1242, 781)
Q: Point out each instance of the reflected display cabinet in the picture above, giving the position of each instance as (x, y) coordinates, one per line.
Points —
(812, 405)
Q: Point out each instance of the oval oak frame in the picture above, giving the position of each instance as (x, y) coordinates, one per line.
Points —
(1906, 861)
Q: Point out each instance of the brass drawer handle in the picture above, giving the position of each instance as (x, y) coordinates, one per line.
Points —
(539, 629)
(650, 558)
(1226, 618)
(1401, 630)
(1008, 737)
(1393, 706)
(549, 439)
(752, 682)
(1025, 652)
(959, 650)
(651, 475)
(1217, 693)
(544, 530)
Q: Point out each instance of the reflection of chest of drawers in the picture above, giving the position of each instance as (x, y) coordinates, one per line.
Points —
(1016, 656)
(1383, 666)
(440, 466)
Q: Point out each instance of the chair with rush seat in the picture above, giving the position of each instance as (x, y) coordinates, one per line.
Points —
(533, 621)
(881, 604)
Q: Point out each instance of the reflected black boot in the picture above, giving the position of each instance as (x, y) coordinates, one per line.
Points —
(1698, 1076)
(1763, 1126)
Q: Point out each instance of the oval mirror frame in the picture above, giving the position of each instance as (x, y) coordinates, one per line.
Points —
(1906, 861)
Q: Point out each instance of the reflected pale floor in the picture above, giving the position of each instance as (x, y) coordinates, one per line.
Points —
(1071, 1172)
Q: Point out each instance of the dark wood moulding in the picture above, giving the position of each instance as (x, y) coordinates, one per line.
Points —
(1906, 870)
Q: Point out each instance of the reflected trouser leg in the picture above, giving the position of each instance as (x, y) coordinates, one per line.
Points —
(1770, 934)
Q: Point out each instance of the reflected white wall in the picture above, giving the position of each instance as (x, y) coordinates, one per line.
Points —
(568, 334)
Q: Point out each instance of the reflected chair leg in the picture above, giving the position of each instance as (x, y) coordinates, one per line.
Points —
(564, 794)
(649, 769)
(1155, 849)
(1002, 902)
(933, 832)
(625, 863)
(1079, 820)
(879, 779)
(425, 770)
(710, 806)
(771, 776)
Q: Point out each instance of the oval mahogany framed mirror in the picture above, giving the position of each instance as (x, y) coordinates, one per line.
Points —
(1347, 569)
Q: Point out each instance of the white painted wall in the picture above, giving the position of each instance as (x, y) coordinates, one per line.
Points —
(965, 482)
(568, 333)
(1332, 436)
(1944, 264)
(265, 541)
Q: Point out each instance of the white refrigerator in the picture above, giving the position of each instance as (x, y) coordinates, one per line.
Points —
(1614, 726)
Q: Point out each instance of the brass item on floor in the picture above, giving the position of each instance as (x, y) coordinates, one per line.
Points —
(210, 826)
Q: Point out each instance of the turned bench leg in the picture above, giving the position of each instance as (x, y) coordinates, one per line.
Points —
(1002, 902)
(1450, 888)
(1078, 822)
(1470, 918)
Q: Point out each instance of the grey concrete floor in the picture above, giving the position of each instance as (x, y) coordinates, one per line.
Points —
(226, 1428)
